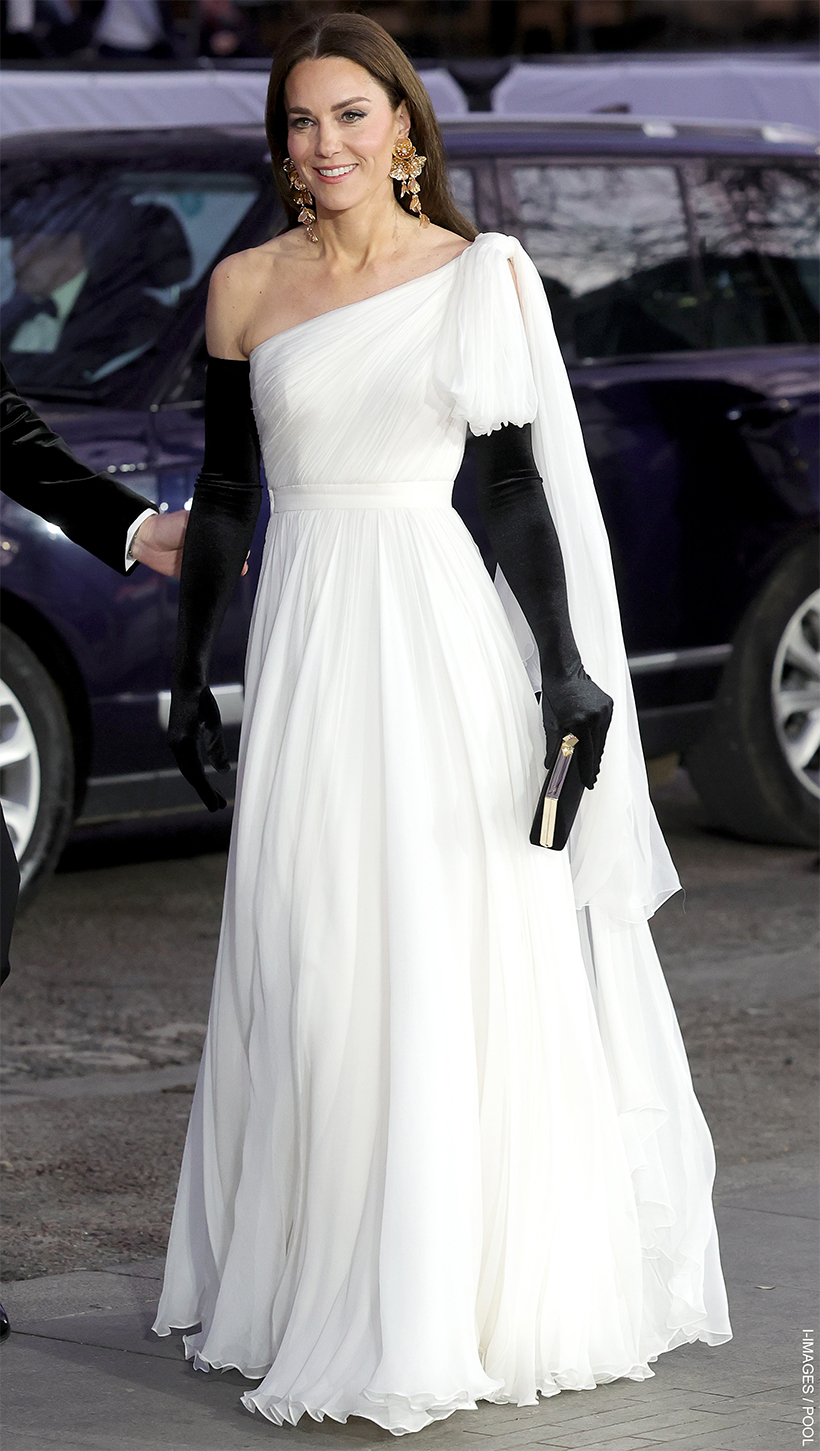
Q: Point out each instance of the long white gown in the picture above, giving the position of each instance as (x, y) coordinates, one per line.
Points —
(444, 1144)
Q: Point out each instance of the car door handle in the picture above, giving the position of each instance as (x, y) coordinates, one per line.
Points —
(767, 411)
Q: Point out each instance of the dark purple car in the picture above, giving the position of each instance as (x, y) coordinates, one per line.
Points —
(681, 266)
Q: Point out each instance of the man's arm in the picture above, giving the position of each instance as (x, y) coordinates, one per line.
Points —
(39, 471)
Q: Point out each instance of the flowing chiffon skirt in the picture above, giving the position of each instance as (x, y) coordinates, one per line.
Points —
(439, 1149)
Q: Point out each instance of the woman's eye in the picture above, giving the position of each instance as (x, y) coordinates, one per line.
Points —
(301, 123)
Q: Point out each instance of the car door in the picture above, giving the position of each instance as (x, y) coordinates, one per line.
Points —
(82, 293)
(109, 624)
(105, 263)
(635, 254)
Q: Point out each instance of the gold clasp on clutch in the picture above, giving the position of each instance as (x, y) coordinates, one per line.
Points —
(553, 789)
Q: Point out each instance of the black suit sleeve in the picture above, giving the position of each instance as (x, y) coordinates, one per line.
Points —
(39, 471)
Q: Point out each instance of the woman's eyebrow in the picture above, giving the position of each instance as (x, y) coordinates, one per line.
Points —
(340, 106)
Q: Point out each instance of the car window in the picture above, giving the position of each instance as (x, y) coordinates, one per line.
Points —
(95, 263)
(758, 235)
(611, 245)
(462, 186)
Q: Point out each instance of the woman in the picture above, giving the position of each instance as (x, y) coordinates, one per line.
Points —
(444, 1144)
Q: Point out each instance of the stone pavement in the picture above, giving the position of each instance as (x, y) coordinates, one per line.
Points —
(83, 1370)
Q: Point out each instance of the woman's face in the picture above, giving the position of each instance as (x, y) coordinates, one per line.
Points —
(341, 131)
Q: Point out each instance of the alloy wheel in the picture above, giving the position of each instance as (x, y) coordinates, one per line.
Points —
(796, 693)
(19, 770)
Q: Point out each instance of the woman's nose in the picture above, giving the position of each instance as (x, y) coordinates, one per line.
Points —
(327, 141)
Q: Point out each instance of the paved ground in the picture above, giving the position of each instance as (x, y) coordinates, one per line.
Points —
(103, 1024)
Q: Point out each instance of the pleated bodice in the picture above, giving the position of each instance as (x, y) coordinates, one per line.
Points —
(315, 386)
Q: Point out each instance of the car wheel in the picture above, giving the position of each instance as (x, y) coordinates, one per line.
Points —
(36, 762)
(757, 767)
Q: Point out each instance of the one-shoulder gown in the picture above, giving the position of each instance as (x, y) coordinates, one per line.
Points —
(435, 1154)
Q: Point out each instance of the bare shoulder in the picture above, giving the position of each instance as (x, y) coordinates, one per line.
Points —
(238, 274)
(238, 283)
(442, 245)
(232, 285)
(427, 250)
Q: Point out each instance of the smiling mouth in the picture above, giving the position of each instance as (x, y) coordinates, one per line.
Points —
(331, 172)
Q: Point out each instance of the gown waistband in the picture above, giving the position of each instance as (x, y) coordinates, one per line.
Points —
(415, 494)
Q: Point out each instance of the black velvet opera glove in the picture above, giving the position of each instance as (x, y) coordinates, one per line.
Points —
(39, 471)
(520, 528)
(220, 530)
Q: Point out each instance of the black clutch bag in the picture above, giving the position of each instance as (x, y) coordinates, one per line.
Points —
(560, 798)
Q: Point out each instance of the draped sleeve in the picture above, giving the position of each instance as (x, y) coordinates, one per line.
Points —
(498, 361)
(483, 368)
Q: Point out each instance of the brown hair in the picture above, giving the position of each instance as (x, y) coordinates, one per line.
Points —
(362, 40)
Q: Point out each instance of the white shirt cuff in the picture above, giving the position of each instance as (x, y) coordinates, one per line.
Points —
(130, 561)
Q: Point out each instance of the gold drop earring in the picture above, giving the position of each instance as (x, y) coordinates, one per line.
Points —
(407, 167)
(304, 200)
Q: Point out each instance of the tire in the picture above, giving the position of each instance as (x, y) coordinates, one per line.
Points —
(36, 762)
(749, 768)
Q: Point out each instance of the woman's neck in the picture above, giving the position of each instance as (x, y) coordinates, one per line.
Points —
(359, 238)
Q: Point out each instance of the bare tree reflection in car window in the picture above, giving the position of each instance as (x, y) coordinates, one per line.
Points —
(97, 262)
(611, 245)
(462, 186)
(758, 234)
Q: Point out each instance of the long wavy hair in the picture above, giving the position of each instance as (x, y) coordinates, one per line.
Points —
(362, 40)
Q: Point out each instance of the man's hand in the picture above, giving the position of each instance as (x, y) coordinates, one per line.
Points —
(158, 542)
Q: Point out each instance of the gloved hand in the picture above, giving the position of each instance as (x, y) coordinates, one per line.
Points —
(520, 528)
(223, 517)
(195, 735)
(576, 705)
